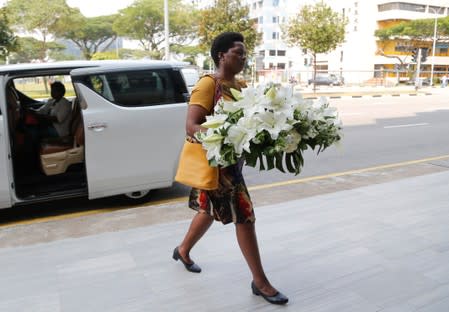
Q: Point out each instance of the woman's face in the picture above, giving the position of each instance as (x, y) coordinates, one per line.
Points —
(234, 59)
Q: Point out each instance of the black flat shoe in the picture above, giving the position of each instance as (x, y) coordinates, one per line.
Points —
(277, 298)
(191, 267)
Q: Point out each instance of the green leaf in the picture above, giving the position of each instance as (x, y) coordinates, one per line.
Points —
(289, 163)
(279, 165)
(261, 162)
(270, 161)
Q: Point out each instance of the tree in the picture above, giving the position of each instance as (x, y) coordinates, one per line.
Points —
(227, 15)
(419, 29)
(90, 34)
(105, 56)
(189, 52)
(144, 21)
(29, 49)
(40, 17)
(8, 41)
(316, 28)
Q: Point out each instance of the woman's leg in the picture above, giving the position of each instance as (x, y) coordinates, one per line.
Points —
(199, 225)
(246, 237)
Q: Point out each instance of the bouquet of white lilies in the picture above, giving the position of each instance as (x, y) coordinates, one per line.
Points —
(269, 124)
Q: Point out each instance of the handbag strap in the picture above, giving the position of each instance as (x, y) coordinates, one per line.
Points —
(217, 96)
(218, 93)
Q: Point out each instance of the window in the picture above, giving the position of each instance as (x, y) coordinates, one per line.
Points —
(281, 52)
(401, 6)
(37, 87)
(275, 19)
(399, 47)
(281, 65)
(275, 3)
(139, 88)
(262, 53)
(275, 35)
(272, 52)
(260, 20)
(436, 10)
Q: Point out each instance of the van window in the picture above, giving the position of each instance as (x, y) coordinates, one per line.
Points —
(38, 87)
(139, 88)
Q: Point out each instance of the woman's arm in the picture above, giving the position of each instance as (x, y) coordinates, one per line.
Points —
(196, 115)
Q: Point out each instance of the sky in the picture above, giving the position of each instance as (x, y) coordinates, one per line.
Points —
(92, 8)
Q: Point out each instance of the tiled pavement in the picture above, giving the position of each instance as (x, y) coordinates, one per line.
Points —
(383, 247)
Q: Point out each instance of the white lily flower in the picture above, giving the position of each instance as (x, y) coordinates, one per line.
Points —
(230, 106)
(274, 123)
(239, 138)
(214, 121)
(236, 94)
(212, 144)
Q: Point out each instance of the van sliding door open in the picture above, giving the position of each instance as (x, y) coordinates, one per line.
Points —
(5, 197)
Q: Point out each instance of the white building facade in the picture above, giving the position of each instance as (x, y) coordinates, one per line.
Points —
(357, 59)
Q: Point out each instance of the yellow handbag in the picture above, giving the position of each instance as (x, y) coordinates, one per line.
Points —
(194, 170)
(193, 167)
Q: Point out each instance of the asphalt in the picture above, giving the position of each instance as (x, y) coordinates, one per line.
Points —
(379, 247)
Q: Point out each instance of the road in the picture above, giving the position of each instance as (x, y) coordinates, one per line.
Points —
(377, 131)
(387, 131)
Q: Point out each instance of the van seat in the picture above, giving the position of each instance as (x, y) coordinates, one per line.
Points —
(56, 156)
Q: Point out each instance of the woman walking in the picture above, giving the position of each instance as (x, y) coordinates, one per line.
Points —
(231, 201)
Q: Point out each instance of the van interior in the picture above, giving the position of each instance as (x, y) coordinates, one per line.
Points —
(44, 167)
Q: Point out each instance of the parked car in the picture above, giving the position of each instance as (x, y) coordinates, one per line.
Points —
(127, 129)
(191, 76)
(330, 80)
(425, 81)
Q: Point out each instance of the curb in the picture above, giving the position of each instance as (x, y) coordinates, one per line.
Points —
(357, 96)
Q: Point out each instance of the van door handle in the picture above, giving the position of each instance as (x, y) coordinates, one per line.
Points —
(97, 126)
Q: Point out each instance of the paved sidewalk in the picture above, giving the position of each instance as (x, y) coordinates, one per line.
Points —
(383, 247)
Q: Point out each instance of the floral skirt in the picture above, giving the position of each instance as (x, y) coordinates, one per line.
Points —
(230, 202)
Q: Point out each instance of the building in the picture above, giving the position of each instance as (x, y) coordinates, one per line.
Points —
(273, 58)
(362, 58)
(400, 50)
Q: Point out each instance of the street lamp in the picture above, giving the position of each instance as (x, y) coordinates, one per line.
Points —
(432, 63)
(167, 44)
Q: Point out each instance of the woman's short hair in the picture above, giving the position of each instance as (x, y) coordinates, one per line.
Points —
(58, 86)
(223, 42)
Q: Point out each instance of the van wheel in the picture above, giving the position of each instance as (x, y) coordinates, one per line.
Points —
(137, 197)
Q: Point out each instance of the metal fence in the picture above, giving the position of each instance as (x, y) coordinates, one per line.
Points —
(382, 77)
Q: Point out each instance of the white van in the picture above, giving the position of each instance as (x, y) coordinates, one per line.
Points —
(126, 131)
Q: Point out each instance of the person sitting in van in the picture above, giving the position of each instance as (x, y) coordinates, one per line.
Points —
(54, 116)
